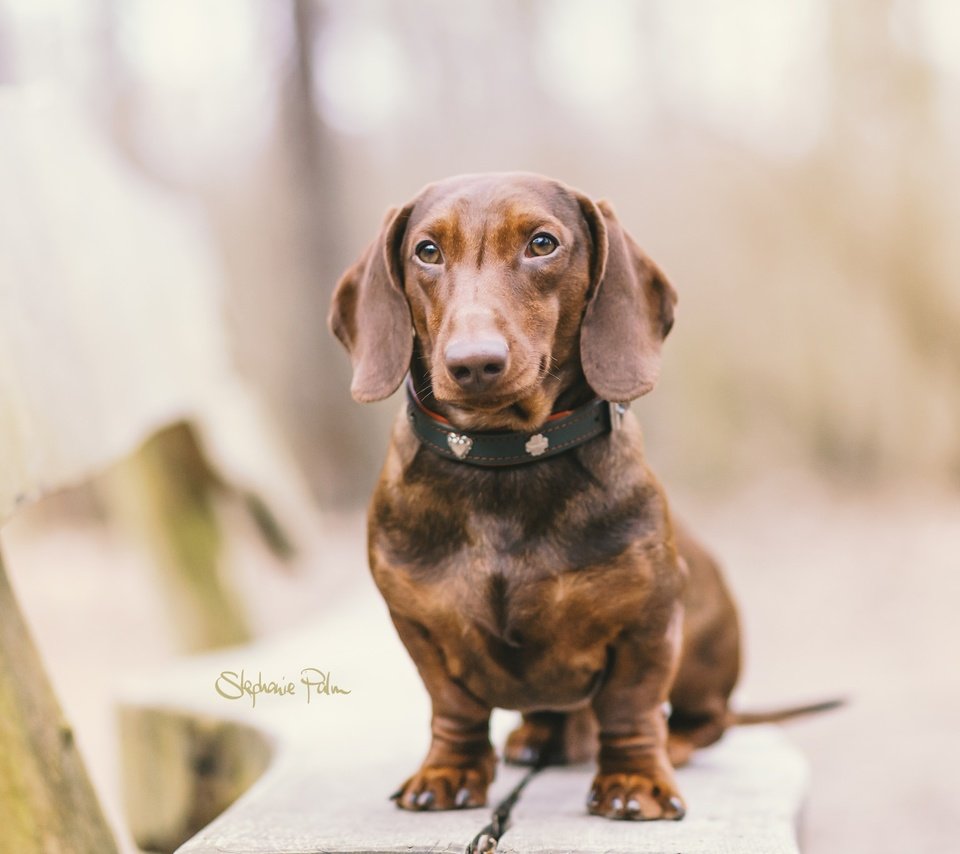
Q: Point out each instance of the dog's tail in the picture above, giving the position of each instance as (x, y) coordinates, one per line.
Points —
(777, 715)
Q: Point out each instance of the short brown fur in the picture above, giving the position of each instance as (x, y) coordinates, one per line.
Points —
(561, 588)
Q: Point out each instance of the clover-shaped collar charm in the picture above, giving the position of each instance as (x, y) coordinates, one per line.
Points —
(537, 444)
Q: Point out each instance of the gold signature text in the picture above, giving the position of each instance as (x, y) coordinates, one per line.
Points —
(314, 682)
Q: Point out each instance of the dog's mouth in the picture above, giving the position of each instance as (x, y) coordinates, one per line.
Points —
(524, 405)
(524, 415)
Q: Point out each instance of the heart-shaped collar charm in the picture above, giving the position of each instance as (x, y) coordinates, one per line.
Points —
(460, 445)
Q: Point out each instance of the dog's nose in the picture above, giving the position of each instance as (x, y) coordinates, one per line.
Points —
(476, 365)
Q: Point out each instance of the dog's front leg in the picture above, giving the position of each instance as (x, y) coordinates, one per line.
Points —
(634, 778)
(461, 763)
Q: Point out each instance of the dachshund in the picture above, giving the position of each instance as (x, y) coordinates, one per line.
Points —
(525, 550)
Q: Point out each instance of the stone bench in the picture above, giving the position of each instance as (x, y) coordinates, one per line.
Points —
(327, 767)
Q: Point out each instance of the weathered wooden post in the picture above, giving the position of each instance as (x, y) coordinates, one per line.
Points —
(47, 804)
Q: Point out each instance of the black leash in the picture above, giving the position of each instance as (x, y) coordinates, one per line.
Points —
(485, 842)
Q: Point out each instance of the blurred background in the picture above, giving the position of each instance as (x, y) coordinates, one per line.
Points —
(793, 167)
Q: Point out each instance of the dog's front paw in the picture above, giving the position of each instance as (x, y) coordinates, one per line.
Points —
(634, 797)
(444, 788)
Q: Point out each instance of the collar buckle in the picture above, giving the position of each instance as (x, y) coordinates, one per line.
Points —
(617, 411)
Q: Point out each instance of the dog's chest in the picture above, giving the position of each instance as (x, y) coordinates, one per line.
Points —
(520, 588)
(445, 521)
(520, 628)
(510, 573)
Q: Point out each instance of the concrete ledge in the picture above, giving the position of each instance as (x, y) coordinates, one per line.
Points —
(332, 763)
(743, 795)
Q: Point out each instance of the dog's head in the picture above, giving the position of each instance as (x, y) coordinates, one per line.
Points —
(501, 293)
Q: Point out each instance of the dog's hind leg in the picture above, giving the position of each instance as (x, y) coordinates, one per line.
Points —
(553, 738)
(692, 730)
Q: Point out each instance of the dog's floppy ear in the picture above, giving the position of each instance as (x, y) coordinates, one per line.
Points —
(371, 317)
(628, 314)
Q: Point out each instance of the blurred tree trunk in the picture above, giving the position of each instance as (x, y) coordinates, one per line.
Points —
(283, 239)
(329, 432)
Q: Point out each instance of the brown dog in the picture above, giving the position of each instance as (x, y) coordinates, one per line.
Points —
(524, 549)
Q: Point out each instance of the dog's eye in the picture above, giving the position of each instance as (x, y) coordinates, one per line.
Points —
(542, 244)
(429, 252)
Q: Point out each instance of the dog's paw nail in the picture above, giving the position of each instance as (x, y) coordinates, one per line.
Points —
(617, 804)
(633, 807)
(593, 799)
(463, 796)
(425, 800)
(677, 809)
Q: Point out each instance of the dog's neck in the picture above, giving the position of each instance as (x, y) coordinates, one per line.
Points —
(561, 433)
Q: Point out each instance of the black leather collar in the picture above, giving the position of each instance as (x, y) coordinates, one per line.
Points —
(561, 433)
